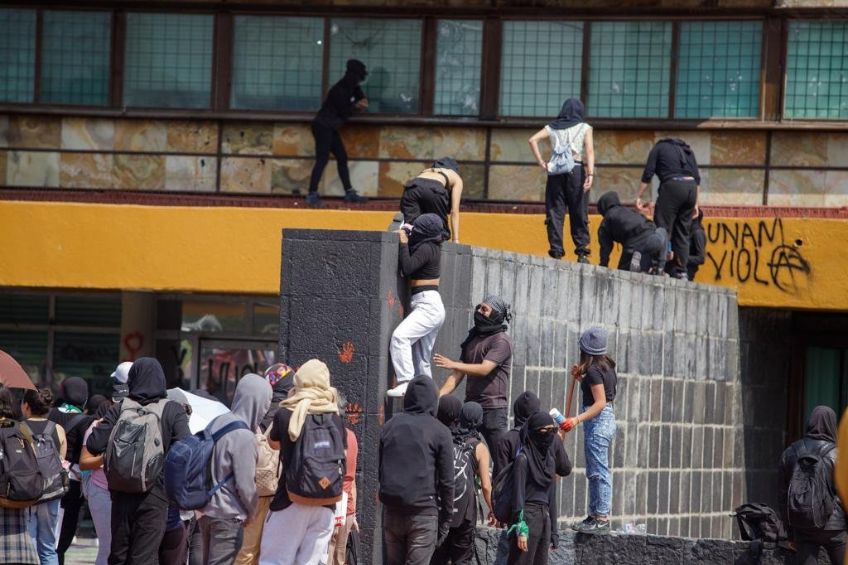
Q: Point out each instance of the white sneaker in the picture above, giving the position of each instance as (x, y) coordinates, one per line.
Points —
(398, 391)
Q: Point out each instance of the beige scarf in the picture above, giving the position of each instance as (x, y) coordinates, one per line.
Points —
(312, 394)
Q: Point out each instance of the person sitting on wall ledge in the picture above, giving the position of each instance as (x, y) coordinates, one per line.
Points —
(643, 244)
(436, 190)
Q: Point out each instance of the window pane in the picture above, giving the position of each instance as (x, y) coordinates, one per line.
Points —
(277, 63)
(459, 51)
(718, 73)
(90, 356)
(103, 311)
(29, 349)
(629, 69)
(214, 317)
(17, 55)
(540, 67)
(168, 60)
(266, 319)
(224, 363)
(817, 70)
(75, 57)
(24, 309)
(391, 49)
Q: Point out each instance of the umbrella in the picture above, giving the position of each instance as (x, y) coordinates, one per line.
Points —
(12, 375)
(203, 410)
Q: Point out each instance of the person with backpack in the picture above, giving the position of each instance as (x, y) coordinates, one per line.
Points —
(807, 499)
(310, 435)
(598, 381)
(233, 468)
(44, 516)
(644, 246)
(486, 361)
(416, 477)
(134, 472)
(16, 544)
(568, 181)
(338, 544)
(96, 491)
(70, 414)
(470, 463)
(420, 260)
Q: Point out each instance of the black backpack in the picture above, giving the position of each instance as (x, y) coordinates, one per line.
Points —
(810, 498)
(315, 475)
(464, 485)
(21, 480)
(503, 490)
(49, 462)
(759, 521)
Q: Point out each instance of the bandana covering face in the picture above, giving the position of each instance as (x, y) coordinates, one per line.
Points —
(492, 324)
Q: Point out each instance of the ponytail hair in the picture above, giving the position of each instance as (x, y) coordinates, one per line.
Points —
(39, 401)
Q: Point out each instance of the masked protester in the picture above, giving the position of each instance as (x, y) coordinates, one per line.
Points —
(487, 361)
(436, 190)
(644, 246)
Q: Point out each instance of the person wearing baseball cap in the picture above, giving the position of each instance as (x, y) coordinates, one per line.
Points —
(120, 376)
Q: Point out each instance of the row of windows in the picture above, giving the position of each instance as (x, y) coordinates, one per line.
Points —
(278, 64)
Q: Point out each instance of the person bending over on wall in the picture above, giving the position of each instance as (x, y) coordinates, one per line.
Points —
(643, 244)
(437, 190)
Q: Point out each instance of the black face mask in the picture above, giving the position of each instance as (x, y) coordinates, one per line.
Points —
(485, 323)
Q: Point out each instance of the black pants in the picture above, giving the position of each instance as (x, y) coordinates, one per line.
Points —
(425, 196)
(539, 542)
(458, 547)
(652, 245)
(808, 546)
(565, 192)
(138, 526)
(328, 140)
(675, 204)
(174, 547)
(409, 538)
(494, 426)
(71, 503)
(195, 543)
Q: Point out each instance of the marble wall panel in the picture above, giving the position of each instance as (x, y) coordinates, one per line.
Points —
(699, 141)
(192, 137)
(290, 176)
(2, 168)
(139, 172)
(517, 182)
(295, 140)
(86, 170)
(37, 169)
(246, 175)
(463, 144)
(733, 187)
(88, 134)
(248, 139)
(799, 149)
(395, 174)
(623, 147)
(837, 188)
(797, 188)
(738, 148)
(624, 180)
(837, 149)
(364, 176)
(190, 173)
(361, 141)
(473, 180)
(511, 145)
(397, 142)
(4, 131)
(35, 132)
(141, 135)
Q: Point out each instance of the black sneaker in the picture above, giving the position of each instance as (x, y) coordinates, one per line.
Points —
(354, 197)
(313, 200)
(583, 259)
(594, 527)
(578, 525)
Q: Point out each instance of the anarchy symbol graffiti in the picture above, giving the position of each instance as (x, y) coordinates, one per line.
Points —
(787, 262)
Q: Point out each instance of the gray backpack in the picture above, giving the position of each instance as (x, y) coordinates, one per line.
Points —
(135, 455)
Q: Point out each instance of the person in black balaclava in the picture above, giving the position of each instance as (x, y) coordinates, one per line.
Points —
(449, 410)
(819, 442)
(486, 360)
(534, 483)
(643, 244)
(139, 520)
(342, 100)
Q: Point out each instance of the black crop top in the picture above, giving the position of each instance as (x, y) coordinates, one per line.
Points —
(424, 264)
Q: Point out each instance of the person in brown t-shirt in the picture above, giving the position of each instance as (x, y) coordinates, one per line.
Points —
(487, 361)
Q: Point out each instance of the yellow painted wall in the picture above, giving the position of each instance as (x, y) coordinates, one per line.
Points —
(796, 263)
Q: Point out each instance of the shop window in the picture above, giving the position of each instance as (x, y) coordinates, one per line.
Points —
(629, 69)
(92, 356)
(718, 73)
(817, 70)
(29, 348)
(391, 49)
(459, 52)
(214, 317)
(17, 55)
(277, 63)
(79, 310)
(266, 319)
(541, 64)
(224, 363)
(825, 379)
(75, 58)
(168, 61)
(24, 308)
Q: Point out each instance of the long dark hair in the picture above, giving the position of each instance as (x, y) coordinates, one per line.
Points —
(603, 362)
(7, 404)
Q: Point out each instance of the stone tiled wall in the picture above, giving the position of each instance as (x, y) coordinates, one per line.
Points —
(803, 169)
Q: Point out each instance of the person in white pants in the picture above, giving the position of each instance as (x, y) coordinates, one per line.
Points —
(420, 262)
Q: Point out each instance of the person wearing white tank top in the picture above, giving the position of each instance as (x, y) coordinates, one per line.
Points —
(568, 191)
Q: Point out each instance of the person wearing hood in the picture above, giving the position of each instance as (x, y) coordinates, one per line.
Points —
(296, 533)
(643, 244)
(568, 133)
(70, 414)
(534, 483)
(486, 360)
(281, 378)
(342, 100)
(436, 190)
(234, 455)
(139, 520)
(419, 258)
(673, 161)
(417, 499)
(697, 244)
(818, 444)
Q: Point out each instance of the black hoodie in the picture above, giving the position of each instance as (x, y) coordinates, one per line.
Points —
(416, 456)
(671, 158)
(620, 225)
(73, 391)
(697, 246)
(338, 105)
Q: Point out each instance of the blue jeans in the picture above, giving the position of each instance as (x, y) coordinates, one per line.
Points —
(597, 436)
(42, 523)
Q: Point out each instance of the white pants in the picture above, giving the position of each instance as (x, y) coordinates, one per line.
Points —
(298, 535)
(414, 338)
